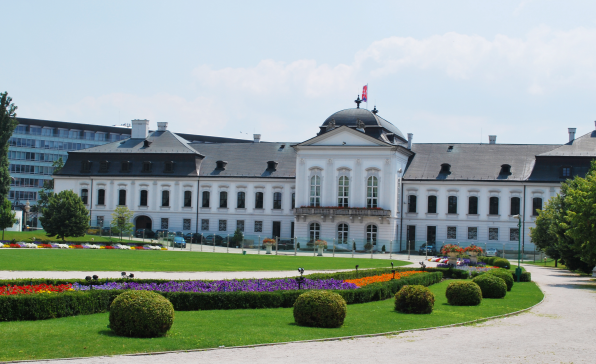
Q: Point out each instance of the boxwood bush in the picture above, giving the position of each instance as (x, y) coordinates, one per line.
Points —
(414, 299)
(505, 275)
(502, 263)
(526, 277)
(320, 309)
(463, 293)
(141, 314)
(491, 286)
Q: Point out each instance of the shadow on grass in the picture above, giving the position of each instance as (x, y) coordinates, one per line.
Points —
(575, 286)
(107, 332)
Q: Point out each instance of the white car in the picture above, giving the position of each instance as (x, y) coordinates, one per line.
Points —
(491, 252)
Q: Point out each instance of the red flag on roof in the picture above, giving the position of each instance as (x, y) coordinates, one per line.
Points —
(365, 93)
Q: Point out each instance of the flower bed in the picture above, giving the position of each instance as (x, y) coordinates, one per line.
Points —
(32, 289)
(38, 244)
(361, 282)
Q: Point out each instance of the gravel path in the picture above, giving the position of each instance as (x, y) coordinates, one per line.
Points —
(560, 330)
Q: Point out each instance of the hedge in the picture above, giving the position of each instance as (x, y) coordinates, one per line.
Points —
(46, 306)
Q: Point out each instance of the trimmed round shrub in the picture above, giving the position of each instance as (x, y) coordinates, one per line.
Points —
(502, 263)
(491, 286)
(463, 293)
(505, 275)
(318, 308)
(414, 299)
(526, 277)
(141, 314)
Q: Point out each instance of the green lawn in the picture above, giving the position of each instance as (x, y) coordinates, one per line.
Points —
(89, 335)
(169, 261)
(40, 235)
(549, 263)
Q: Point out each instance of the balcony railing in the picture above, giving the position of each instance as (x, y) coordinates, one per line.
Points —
(346, 211)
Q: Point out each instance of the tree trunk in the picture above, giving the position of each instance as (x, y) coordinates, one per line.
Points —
(3, 234)
(556, 260)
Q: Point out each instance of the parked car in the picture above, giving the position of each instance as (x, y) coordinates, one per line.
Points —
(106, 231)
(162, 233)
(492, 252)
(179, 233)
(196, 238)
(427, 249)
(93, 230)
(210, 238)
(144, 233)
(179, 242)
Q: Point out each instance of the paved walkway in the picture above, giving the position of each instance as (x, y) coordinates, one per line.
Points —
(560, 330)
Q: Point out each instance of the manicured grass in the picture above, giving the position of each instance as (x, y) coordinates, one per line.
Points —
(89, 335)
(549, 263)
(169, 261)
(40, 235)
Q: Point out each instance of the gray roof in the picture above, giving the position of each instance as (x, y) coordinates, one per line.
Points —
(584, 146)
(247, 159)
(161, 142)
(350, 117)
(474, 161)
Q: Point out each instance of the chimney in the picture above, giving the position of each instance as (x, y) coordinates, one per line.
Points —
(410, 137)
(162, 126)
(571, 134)
(140, 128)
(257, 138)
(492, 139)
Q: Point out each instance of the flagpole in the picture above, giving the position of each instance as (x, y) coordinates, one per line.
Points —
(367, 96)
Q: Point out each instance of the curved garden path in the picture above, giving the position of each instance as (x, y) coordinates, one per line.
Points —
(560, 330)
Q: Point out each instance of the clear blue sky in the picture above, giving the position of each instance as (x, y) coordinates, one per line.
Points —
(447, 71)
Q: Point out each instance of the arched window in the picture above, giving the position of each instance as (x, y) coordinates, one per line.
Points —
(85, 195)
(223, 199)
(343, 191)
(315, 231)
(143, 201)
(165, 198)
(315, 191)
(452, 205)
(431, 207)
(241, 200)
(371, 234)
(473, 205)
(493, 207)
(342, 233)
(101, 196)
(259, 200)
(372, 192)
(515, 204)
(277, 200)
(187, 200)
(206, 197)
(536, 205)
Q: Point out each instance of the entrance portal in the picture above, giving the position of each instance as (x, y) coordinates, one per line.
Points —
(143, 222)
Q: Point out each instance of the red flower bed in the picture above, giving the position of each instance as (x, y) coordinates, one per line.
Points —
(15, 246)
(47, 246)
(78, 246)
(39, 288)
(109, 247)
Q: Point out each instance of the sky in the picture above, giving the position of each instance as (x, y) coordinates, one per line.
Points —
(446, 71)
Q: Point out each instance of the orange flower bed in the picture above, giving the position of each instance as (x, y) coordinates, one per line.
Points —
(361, 282)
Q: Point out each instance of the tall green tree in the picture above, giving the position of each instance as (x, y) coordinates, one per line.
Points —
(8, 123)
(121, 221)
(545, 235)
(7, 216)
(65, 215)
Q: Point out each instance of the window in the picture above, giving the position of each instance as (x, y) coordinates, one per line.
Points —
(89, 135)
(566, 172)
(432, 204)
(143, 200)
(505, 170)
(493, 208)
(185, 224)
(86, 166)
(452, 205)
(493, 233)
(165, 198)
(85, 196)
(451, 232)
(169, 168)
(515, 206)
(343, 191)
(164, 223)
(187, 198)
(277, 200)
(240, 225)
(103, 166)
(372, 192)
(514, 234)
(223, 225)
(259, 200)
(315, 191)
(205, 224)
(314, 231)
(240, 203)
(101, 196)
(371, 234)
(122, 197)
(293, 200)
(445, 168)
(411, 203)
(206, 196)
(473, 205)
(431, 234)
(342, 233)
(100, 221)
(125, 166)
(223, 199)
(472, 233)
(536, 205)
(146, 167)
(258, 226)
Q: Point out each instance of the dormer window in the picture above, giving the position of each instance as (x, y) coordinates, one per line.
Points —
(125, 166)
(505, 169)
(450, 149)
(169, 167)
(221, 164)
(146, 167)
(566, 172)
(146, 143)
(272, 165)
(86, 166)
(103, 166)
(445, 168)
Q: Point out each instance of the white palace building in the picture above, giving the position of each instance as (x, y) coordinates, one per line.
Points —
(358, 180)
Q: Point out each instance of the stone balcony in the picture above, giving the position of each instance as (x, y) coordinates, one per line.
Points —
(355, 214)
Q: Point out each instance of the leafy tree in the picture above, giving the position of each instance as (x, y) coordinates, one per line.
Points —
(7, 216)
(65, 215)
(545, 234)
(121, 221)
(8, 123)
(238, 237)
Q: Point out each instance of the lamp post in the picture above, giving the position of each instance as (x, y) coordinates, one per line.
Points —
(518, 269)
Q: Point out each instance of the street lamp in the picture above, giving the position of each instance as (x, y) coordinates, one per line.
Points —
(518, 269)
